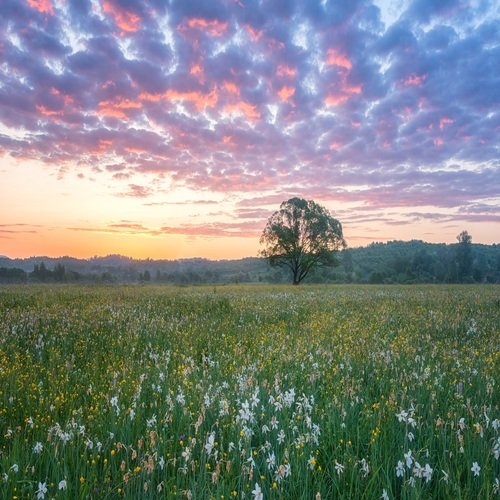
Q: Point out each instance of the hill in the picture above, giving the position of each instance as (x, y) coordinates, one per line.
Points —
(392, 262)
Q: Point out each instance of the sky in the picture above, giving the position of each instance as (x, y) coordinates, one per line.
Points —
(175, 128)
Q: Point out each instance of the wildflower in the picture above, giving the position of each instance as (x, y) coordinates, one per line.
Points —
(161, 463)
(210, 444)
(496, 449)
(476, 469)
(37, 448)
(402, 416)
(427, 473)
(400, 471)
(445, 476)
(271, 461)
(14, 468)
(339, 468)
(311, 462)
(62, 485)
(42, 489)
(408, 459)
(418, 470)
(410, 436)
(364, 467)
(257, 493)
(496, 486)
(274, 422)
(281, 436)
(384, 495)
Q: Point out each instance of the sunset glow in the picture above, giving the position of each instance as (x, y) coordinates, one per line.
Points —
(175, 129)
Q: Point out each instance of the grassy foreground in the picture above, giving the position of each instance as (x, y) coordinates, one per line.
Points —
(250, 392)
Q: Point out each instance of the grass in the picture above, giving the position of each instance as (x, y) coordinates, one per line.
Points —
(298, 392)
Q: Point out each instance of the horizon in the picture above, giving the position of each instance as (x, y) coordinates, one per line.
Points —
(173, 132)
(198, 257)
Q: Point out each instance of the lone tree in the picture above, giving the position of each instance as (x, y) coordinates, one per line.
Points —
(301, 235)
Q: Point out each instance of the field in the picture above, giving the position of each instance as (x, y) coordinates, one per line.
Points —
(250, 392)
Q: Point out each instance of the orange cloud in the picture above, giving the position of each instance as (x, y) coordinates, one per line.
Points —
(244, 108)
(352, 89)
(335, 100)
(334, 58)
(335, 146)
(438, 141)
(231, 87)
(43, 110)
(115, 108)
(286, 92)
(44, 6)
(212, 27)
(104, 145)
(135, 149)
(127, 21)
(201, 101)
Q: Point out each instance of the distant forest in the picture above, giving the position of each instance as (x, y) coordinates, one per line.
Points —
(393, 262)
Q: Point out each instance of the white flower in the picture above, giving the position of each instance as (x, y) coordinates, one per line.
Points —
(427, 473)
(62, 485)
(408, 459)
(402, 416)
(400, 469)
(418, 470)
(271, 461)
(365, 467)
(410, 436)
(384, 495)
(445, 476)
(186, 454)
(311, 462)
(339, 468)
(210, 444)
(161, 463)
(42, 489)
(14, 467)
(37, 448)
(257, 493)
(281, 436)
(476, 469)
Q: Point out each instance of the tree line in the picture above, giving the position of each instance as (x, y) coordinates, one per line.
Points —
(392, 262)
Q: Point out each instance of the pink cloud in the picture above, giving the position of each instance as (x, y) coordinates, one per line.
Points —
(335, 58)
(286, 92)
(445, 121)
(335, 100)
(43, 6)
(244, 108)
(254, 34)
(231, 87)
(212, 27)
(127, 21)
(286, 71)
(200, 100)
(415, 80)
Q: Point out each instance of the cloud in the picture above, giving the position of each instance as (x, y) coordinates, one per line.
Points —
(314, 98)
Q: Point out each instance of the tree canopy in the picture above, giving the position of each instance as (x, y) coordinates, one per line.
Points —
(302, 236)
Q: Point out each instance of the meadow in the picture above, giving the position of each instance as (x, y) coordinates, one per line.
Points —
(311, 392)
